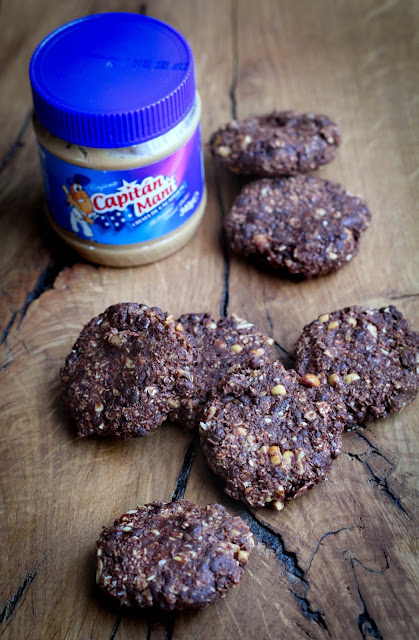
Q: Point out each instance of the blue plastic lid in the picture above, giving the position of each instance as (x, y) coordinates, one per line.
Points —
(112, 80)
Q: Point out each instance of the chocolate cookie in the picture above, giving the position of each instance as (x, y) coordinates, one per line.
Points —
(370, 356)
(172, 556)
(275, 144)
(304, 225)
(271, 435)
(218, 344)
(128, 369)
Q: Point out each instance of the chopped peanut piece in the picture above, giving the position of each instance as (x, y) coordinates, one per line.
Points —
(310, 380)
(352, 377)
(333, 379)
(278, 390)
(223, 151)
(211, 412)
(286, 458)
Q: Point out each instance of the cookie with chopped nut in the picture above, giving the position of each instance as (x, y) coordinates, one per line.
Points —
(271, 435)
(172, 556)
(302, 225)
(275, 144)
(370, 356)
(128, 369)
(218, 344)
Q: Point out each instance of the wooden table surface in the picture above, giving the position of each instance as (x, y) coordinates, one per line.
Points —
(338, 562)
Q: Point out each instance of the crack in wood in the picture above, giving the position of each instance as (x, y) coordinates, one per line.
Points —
(115, 628)
(379, 571)
(7, 328)
(11, 604)
(17, 142)
(325, 535)
(165, 619)
(288, 559)
(374, 448)
(366, 624)
(381, 481)
(274, 541)
(235, 60)
(142, 9)
(281, 348)
(267, 312)
(224, 248)
(307, 633)
(44, 283)
(233, 101)
(185, 469)
(403, 296)
(308, 612)
(271, 326)
(168, 626)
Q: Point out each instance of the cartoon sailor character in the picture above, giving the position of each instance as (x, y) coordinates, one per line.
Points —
(81, 214)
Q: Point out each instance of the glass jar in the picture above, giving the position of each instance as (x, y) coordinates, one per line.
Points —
(117, 117)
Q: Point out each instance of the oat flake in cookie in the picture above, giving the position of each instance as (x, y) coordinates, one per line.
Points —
(218, 344)
(172, 556)
(370, 356)
(128, 369)
(271, 435)
(304, 225)
(279, 143)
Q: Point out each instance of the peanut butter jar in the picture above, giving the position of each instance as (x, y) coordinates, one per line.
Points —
(117, 117)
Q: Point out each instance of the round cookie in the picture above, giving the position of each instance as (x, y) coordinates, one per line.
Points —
(370, 356)
(172, 556)
(218, 346)
(128, 369)
(275, 144)
(304, 225)
(271, 435)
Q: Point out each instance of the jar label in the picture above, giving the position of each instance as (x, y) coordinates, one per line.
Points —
(127, 206)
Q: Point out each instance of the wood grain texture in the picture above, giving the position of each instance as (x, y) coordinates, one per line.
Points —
(339, 562)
